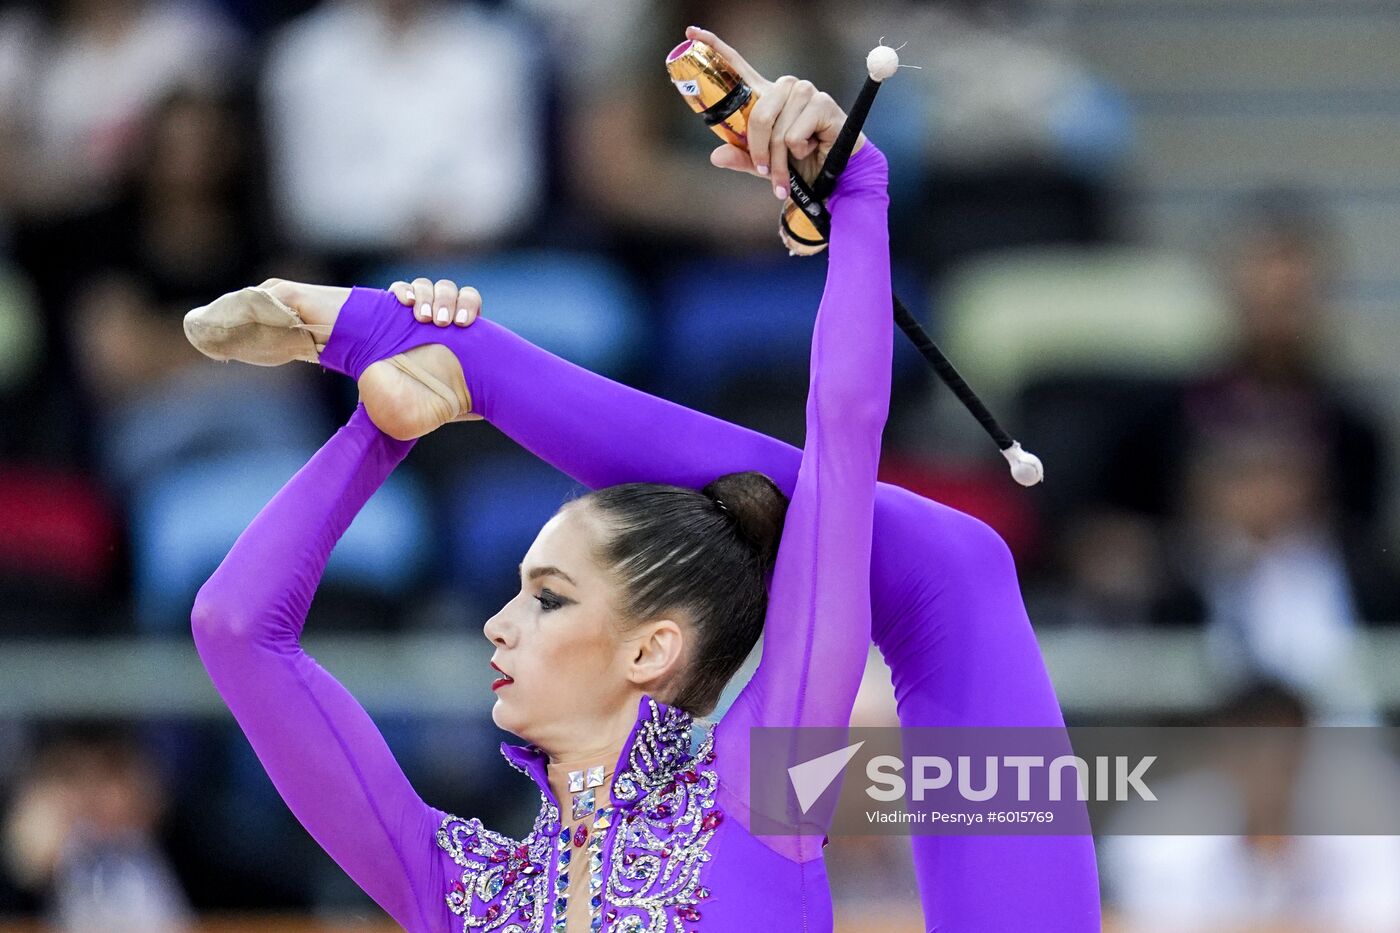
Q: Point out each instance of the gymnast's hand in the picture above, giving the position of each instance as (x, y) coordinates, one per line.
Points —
(791, 117)
(442, 302)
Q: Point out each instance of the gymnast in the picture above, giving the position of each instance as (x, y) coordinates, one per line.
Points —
(637, 604)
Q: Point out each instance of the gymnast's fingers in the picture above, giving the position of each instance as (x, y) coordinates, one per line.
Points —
(803, 133)
(761, 119)
(468, 306)
(445, 301)
(733, 157)
(778, 144)
(423, 299)
(403, 292)
(746, 71)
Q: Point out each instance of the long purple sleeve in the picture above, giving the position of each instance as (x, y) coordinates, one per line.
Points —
(319, 747)
(817, 631)
(946, 607)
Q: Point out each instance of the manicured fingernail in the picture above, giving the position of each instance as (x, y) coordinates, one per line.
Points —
(779, 192)
(762, 169)
(425, 311)
(444, 315)
(461, 315)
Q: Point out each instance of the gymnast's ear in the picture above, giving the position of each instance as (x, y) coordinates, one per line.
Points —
(655, 652)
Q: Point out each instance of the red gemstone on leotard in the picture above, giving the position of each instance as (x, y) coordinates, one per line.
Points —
(580, 833)
(711, 820)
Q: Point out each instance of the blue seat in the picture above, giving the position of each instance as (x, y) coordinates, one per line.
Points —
(186, 519)
(728, 322)
(577, 305)
(501, 505)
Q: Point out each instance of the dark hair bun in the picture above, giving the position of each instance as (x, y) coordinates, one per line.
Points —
(758, 508)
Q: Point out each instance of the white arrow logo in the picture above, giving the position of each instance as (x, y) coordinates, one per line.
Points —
(811, 778)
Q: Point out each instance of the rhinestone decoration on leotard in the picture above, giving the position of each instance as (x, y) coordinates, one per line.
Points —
(568, 842)
(645, 854)
(662, 842)
(584, 803)
(503, 879)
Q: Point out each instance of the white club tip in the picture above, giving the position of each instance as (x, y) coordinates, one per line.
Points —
(1026, 467)
(882, 62)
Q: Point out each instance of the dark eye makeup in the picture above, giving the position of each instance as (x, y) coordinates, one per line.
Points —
(550, 601)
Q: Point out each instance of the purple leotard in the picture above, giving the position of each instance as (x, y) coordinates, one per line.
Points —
(946, 609)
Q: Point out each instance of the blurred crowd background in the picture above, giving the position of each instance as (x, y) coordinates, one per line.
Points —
(1161, 237)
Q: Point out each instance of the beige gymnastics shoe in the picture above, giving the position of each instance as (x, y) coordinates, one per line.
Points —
(251, 325)
(406, 396)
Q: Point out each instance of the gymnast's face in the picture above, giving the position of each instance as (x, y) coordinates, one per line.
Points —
(573, 665)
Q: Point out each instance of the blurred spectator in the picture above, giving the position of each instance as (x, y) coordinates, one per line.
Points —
(1255, 878)
(1258, 547)
(1248, 498)
(82, 829)
(189, 223)
(1281, 260)
(405, 124)
(79, 78)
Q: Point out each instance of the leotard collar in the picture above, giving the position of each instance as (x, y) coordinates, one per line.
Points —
(657, 748)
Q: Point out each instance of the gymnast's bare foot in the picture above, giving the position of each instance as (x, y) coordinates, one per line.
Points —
(407, 395)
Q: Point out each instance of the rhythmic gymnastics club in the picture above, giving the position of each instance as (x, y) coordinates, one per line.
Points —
(714, 89)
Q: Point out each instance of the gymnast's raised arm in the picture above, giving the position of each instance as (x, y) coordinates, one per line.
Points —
(819, 614)
(317, 744)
